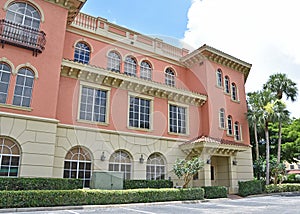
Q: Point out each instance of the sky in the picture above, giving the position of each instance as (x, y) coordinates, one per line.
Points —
(264, 33)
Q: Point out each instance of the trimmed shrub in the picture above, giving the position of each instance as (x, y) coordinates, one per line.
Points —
(215, 192)
(141, 184)
(282, 188)
(46, 198)
(39, 184)
(250, 187)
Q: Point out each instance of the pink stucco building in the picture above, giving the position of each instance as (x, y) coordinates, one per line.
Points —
(79, 94)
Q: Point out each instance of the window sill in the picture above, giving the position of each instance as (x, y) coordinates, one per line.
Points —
(228, 94)
(22, 108)
(220, 87)
(235, 101)
(178, 134)
(139, 129)
(229, 135)
(92, 122)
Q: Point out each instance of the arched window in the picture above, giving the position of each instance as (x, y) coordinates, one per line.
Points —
(146, 70)
(120, 161)
(219, 77)
(23, 88)
(24, 14)
(78, 165)
(113, 61)
(237, 131)
(9, 158)
(82, 53)
(222, 118)
(170, 77)
(156, 167)
(233, 91)
(130, 66)
(5, 71)
(227, 84)
(229, 125)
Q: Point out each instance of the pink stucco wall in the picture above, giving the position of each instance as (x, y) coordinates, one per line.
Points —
(57, 97)
(47, 63)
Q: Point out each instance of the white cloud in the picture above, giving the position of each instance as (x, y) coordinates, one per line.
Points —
(263, 33)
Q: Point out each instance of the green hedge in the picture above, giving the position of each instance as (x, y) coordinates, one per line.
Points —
(282, 188)
(140, 184)
(39, 184)
(250, 187)
(46, 198)
(215, 192)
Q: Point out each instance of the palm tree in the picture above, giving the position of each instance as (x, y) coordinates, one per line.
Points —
(281, 114)
(280, 84)
(254, 116)
(267, 104)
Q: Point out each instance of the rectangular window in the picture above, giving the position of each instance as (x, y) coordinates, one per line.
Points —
(177, 119)
(139, 113)
(93, 104)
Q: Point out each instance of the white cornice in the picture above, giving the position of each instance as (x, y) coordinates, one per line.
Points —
(102, 76)
(73, 6)
(83, 128)
(217, 56)
(28, 117)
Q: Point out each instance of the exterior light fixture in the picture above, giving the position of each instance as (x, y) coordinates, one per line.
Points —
(141, 159)
(208, 161)
(234, 162)
(102, 157)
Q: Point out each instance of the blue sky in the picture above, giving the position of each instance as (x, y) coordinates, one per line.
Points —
(155, 17)
(263, 33)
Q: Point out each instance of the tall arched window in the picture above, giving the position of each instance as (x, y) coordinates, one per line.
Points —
(9, 158)
(229, 125)
(113, 61)
(24, 14)
(130, 66)
(170, 77)
(219, 77)
(23, 88)
(78, 165)
(82, 53)
(227, 85)
(156, 167)
(222, 118)
(146, 70)
(120, 161)
(234, 91)
(5, 71)
(237, 131)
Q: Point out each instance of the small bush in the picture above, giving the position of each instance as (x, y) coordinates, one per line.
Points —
(250, 187)
(46, 198)
(39, 184)
(215, 192)
(141, 184)
(282, 188)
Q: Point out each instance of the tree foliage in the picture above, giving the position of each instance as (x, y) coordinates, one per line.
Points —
(186, 169)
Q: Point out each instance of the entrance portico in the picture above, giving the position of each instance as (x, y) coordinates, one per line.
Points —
(221, 158)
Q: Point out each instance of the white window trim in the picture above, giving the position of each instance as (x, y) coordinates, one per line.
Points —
(237, 100)
(187, 116)
(229, 85)
(217, 79)
(97, 87)
(227, 127)
(224, 117)
(151, 99)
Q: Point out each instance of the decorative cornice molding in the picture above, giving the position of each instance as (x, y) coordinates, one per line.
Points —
(73, 7)
(217, 56)
(105, 77)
